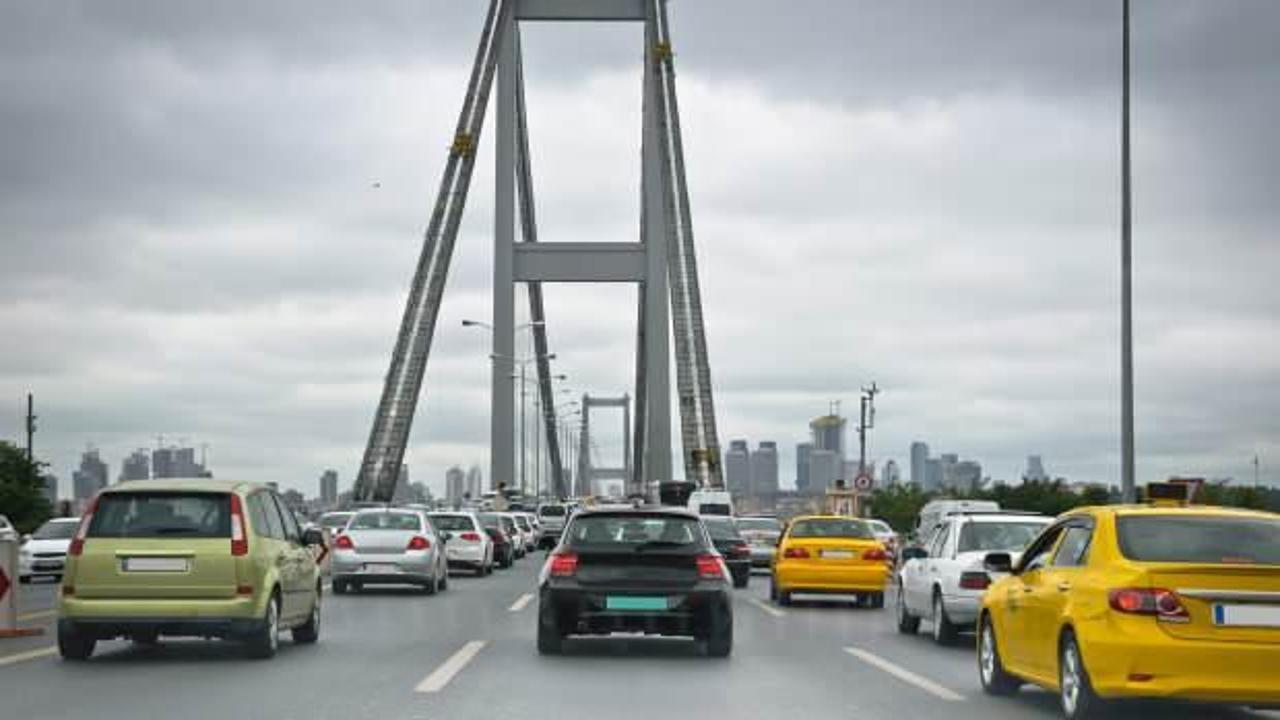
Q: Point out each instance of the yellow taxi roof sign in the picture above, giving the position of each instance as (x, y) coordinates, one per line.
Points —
(1168, 494)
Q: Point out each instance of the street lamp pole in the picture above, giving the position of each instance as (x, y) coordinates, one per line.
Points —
(1126, 284)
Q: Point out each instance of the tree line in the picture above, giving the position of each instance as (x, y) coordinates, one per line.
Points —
(22, 498)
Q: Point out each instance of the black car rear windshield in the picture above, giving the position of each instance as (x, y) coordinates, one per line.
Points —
(551, 511)
(721, 529)
(162, 514)
(635, 531)
(386, 521)
(755, 524)
(1214, 540)
(831, 528)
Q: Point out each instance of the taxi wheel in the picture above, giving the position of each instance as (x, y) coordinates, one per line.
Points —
(944, 633)
(1079, 701)
(995, 680)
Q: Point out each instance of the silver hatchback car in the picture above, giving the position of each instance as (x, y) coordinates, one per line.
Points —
(389, 546)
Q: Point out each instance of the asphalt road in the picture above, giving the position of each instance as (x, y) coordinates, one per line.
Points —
(469, 653)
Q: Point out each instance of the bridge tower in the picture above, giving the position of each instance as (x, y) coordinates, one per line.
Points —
(662, 263)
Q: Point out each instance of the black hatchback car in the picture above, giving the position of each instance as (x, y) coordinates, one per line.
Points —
(737, 554)
(653, 571)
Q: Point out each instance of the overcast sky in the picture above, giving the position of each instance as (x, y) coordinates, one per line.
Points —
(924, 194)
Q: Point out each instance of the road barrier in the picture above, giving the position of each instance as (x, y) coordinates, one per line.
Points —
(9, 593)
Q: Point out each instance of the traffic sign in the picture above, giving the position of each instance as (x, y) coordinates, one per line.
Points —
(862, 483)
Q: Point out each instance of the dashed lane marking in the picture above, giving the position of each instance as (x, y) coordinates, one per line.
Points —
(521, 602)
(766, 607)
(29, 655)
(440, 677)
(37, 615)
(905, 675)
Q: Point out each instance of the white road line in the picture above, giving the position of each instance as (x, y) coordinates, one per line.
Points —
(30, 655)
(766, 607)
(906, 675)
(37, 615)
(521, 602)
(440, 677)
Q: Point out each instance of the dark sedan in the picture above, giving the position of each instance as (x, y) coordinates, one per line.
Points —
(734, 548)
(652, 571)
(504, 550)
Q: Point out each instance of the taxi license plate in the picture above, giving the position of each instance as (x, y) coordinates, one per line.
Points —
(628, 602)
(381, 568)
(838, 554)
(1247, 615)
(156, 564)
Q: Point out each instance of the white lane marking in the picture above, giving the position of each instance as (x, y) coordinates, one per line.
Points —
(440, 677)
(29, 655)
(521, 602)
(906, 675)
(37, 615)
(766, 607)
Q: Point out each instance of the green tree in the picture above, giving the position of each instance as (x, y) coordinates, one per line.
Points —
(22, 497)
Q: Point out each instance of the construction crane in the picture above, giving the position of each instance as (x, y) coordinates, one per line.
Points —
(393, 419)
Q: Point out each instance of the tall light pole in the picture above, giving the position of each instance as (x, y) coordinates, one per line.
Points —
(1126, 283)
(523, 363)
(502, 412)
(538, 431)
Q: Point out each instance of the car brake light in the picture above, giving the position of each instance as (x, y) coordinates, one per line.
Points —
(740, 549)
(795, 553)
(417, 542)
(974, 581)
(709, 567)
(244, 589)
(875, 554)
(77, 542)
(1158, 602)
(343, 542)
(470, 536)
(564, 564)
(239, 543)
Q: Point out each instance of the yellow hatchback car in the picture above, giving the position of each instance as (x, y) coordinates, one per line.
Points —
(197, 558)
(1139, 601)
(829, 554)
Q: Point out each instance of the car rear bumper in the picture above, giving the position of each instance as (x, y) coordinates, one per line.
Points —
(1153, 664)
(218, 627)
(811, 577)
(962, 609)
(690, 613)
(149, 612)
(465, 555)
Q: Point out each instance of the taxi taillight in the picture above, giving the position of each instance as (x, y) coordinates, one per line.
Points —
(1157, 602)
(875, 554)
(796, 553)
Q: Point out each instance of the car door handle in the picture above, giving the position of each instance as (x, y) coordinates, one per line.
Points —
(1027, 590)
(1064, 586)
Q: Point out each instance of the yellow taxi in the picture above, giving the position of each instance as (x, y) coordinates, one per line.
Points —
(829, 554)
(1151, 601)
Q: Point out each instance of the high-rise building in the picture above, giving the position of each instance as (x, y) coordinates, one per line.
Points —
(966, 476)
(401, 494)
(475, 481)
(737, 468)
(1035, 469)
(803, 453)
(932, 475)
(824, 468)
(51, 489)
(163, 462)
(329, 487)
(177, 462)
(136, 467)
(891, 475)
(828, 434)
(764, 472)
(455, 481)
(91, 477)
(919, 464)
(185, 465)
(948, 462)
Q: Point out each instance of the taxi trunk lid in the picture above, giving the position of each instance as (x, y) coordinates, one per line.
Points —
(836, 551)
(1233, 603)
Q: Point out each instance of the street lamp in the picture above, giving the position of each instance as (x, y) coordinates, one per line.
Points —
(522, 363)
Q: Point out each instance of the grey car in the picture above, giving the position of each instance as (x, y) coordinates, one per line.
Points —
(761, 534)
(389, 546)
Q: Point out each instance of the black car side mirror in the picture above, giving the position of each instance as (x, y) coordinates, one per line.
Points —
(914, 553)
(998, 562)
(312, 536)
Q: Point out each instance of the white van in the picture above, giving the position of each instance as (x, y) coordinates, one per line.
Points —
(935, 511)
(711, 502)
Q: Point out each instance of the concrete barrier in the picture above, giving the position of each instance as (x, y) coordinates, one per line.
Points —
(9, 592)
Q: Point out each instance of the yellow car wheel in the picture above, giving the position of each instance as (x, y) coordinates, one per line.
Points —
(995, 680)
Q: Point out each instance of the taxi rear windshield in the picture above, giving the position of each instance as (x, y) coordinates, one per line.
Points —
(551, 511)
(635, 531)
(161, 515)
(831, 528)
(1209, 540)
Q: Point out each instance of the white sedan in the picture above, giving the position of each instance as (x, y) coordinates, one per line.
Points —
(466, 544)
(943, 582)
(44, 554)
